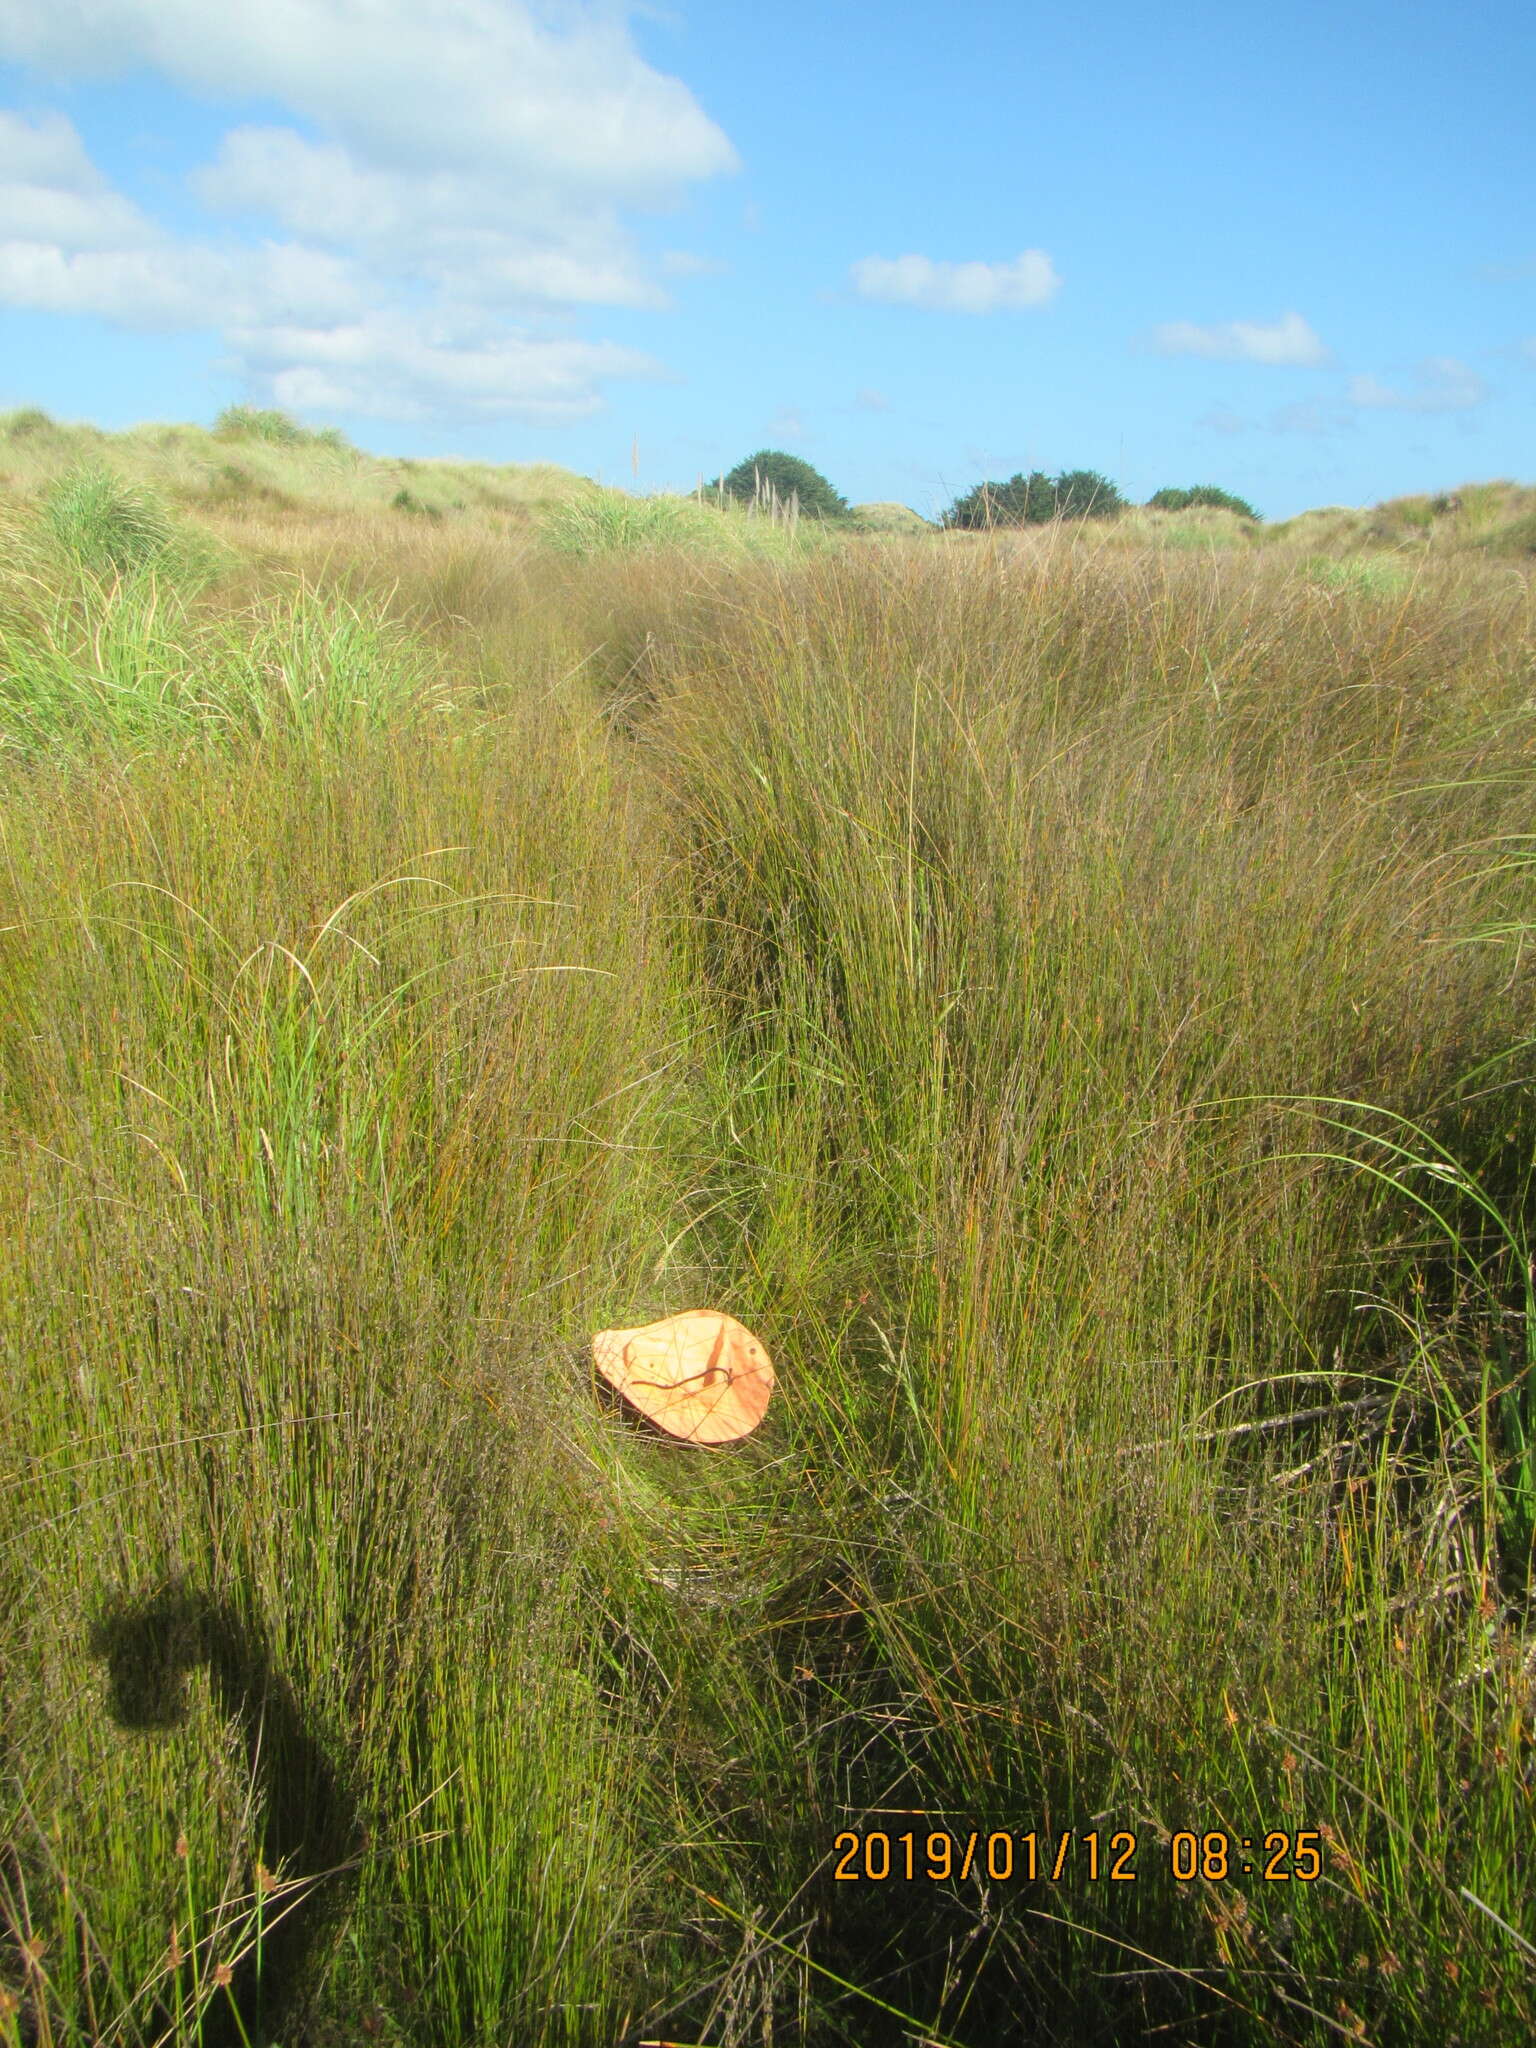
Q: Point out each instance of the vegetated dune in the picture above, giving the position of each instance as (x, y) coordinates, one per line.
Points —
(255, 466)
(1496, 518)
(262, 461)
(1070, 1000)
(883, 517)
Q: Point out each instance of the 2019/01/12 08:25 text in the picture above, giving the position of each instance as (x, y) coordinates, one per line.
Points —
(1005, 1855)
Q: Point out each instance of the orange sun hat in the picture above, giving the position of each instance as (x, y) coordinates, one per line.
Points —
(701, 1376)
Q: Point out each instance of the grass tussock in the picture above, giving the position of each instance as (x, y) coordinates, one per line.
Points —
(101, 525)
(124, 650)
(1070, 998)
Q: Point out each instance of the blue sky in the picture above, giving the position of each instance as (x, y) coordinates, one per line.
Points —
(1287, 251)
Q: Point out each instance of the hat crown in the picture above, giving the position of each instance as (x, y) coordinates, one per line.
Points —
(701, 1376)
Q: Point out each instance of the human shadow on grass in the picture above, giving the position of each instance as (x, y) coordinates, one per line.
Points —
(308, 1820)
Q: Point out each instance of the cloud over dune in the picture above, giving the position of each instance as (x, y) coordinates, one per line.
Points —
(1289, 341)
(484, 86)
(1440, 384)
(1029, 280)
(454, 189)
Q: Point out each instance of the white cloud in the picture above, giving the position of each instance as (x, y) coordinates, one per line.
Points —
(490, 86)
(787, 424)
(141, 288)
(1311, 417)
(165, 286)
(684, 263)
(317, 188)
(405, 367)
(1030, 280)
(285, 281)
(871, 401)
(470, 163)
(51, 192)
(1289, 341)
(1441, 384)
(465, 231)
(1222, 420)
(73, 245)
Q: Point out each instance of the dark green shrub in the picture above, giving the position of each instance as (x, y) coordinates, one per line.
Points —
(1021, 501)
(1084, 494)
(1172, 499)
(771, 476)
(1032, 500)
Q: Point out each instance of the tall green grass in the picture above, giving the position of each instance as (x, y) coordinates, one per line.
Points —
(608, 522)
(106, 639)
(1071, 1001)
